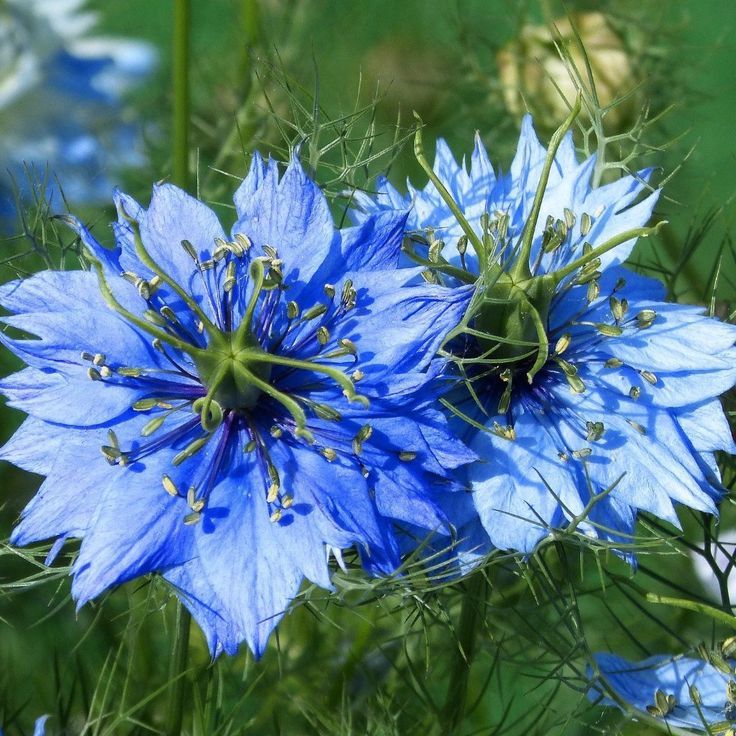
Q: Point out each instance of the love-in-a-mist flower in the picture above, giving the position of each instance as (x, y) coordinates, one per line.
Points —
(61, 110)
(680, 691)
(226, 409)
(585, 394)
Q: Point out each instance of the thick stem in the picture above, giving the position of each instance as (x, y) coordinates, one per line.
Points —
(180, 83)
(177, 668)
(471, 616)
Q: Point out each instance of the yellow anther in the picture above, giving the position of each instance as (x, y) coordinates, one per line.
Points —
(169, 486)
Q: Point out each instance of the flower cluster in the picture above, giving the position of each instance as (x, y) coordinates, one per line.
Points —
(245, 405)
(60, 97)
(585, 394)
(681, 691)
(239, 404)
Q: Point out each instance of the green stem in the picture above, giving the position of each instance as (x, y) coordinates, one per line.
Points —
(472, 236)
(180, 81)
(701, 608)
(520, 270)
(113, 303)
(335, 374)
(177, 668)
(637, 232)
(471, 616)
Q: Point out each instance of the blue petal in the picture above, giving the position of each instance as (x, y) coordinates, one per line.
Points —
(519, 485)
(292, 216)
(636, 683)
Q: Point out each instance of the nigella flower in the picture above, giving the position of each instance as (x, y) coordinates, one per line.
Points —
(681, 691)
(224, 410)
(586, 395)
(60, 98)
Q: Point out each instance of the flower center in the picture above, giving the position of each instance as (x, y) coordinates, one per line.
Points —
(232, 372)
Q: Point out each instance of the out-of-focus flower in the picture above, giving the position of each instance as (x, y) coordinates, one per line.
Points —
(685, 692)
(587, 396)
(61, 90)
(39, 727)
(259, 399)
(535, 79)
(408, 78)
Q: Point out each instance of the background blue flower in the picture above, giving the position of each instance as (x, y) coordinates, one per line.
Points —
(61, 107)
(283, 407)
(624, 414)
(701, 695)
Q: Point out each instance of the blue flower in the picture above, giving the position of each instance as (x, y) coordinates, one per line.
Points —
(681, 691)
(60, 98)
(39, 727)
(227, 410)
(586, 395)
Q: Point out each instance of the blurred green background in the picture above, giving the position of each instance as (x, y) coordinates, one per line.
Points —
(377, 667)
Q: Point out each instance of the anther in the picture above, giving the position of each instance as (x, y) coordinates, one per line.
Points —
(649, 377)
(349, 295)
(582, 454)
(609, 330)
(191, 519)
(618, 308)
(506, 433)
(230, 278)
(562, 344)
(249, 446)
(594, 289)
(595, 431)
(273, 493)
(244, 242)
(191, 449)
(313, 312)
(638, 427)
(634, 392)
(357, 375)
(287, 501)
(292, 310)
(98, 359)
(328, 453)
(275, 516)
(105, 371)
(329, 290)
(348, 345)
(323, 335)
(144, 404)
(323, 411)
(190, 250)
(613, 363)
(169, 486)
(407, 457)
(93, 374)
(645, 318)
(150, 427)
(130, 372)
(276, 432)
(168, 314)
(585, 223)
